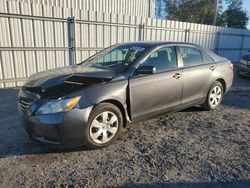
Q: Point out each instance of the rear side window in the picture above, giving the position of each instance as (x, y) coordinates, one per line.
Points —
(191, 56)
(206, 58)
(162, 59)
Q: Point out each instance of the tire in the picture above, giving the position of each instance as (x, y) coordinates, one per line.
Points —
(240, 76)
(214, 96)
(104, 126)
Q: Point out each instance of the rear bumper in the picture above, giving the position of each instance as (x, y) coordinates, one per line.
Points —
(64, 128)
(244, 70)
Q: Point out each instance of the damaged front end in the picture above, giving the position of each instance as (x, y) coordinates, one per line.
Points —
(70, 84)
(31, 97)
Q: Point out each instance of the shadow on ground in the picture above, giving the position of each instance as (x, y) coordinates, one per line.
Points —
(235, 184)
(239, 95)
(13, 138)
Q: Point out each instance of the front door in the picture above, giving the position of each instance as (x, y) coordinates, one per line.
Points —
(153, 93)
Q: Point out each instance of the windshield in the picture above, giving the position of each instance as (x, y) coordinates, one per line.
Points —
(115, 58)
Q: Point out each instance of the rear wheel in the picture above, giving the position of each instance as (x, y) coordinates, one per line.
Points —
(104, 126)
(214, 96)
(240, 75)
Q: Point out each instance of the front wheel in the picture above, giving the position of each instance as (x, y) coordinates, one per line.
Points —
(104, 126)
(214, 96)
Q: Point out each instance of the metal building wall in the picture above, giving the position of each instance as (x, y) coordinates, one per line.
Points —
(129, 7)
(34, 37)
(30, 45)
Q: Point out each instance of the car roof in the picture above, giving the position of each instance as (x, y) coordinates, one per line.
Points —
(151, 44)
(157, 43)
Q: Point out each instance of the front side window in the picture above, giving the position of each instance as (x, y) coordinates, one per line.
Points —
(191, 56)
(115, 59)
(162, 59)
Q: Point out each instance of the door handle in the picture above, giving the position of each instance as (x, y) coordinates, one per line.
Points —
(212, 68)
(177, 75)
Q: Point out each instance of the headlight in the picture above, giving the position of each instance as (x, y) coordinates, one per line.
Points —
(58, 105)
(243, 61)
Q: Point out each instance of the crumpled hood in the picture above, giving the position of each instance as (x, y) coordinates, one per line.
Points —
(60, 81)
(58, 76)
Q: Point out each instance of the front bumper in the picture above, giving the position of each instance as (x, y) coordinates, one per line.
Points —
(64, 128)
(244, 70)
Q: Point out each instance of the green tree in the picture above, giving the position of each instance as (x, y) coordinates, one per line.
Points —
(233, 16)
(196, 11)
(207, 12)
(219, 21)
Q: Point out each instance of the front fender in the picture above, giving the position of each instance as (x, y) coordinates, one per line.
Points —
(111, 91)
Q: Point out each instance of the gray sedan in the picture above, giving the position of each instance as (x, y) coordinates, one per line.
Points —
(91, 102)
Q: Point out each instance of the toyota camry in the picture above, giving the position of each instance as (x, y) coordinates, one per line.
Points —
(91, 102)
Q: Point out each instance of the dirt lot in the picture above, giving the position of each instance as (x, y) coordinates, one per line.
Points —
(190, 147)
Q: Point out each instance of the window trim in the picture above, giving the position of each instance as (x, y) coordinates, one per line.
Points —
(203, 52)
(156, 49)
(195, 47)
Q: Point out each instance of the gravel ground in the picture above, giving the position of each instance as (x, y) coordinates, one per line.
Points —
(192, 147)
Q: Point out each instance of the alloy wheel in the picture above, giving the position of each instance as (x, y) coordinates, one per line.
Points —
(215, 96)
(104, 127)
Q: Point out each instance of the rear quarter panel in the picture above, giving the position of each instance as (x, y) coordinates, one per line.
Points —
(226, 73)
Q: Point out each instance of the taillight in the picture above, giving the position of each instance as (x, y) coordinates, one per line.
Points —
(231, 66)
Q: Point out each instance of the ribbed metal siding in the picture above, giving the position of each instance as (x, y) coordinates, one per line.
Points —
(105, 29)
(227, 42)
(29, 37)
(130, 7)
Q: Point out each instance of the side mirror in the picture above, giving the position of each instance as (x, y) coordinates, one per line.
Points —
(146, 69)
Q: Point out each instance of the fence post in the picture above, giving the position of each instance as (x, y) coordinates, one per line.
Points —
(242, 44)
(218, 42)
(187, 31)
(141, 32)
(71, 40)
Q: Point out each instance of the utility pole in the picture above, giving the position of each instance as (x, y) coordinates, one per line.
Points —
(216, 12)
(151, 8)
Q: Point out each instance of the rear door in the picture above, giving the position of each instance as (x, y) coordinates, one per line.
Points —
(150, 94)
(198, 72)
